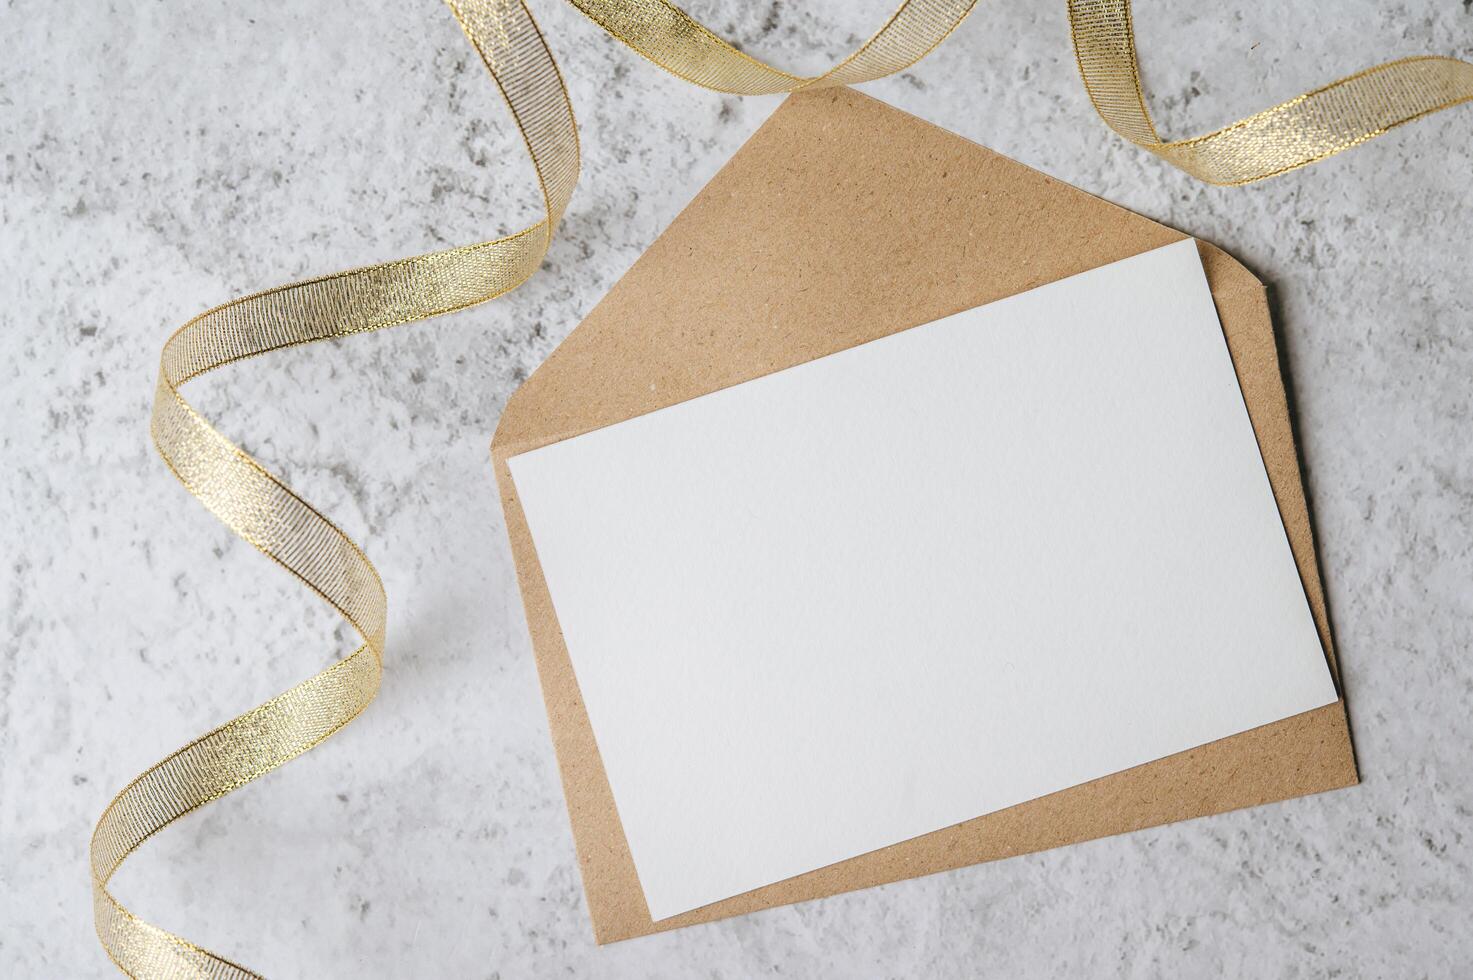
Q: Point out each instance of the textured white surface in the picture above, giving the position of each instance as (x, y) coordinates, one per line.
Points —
(156, 159)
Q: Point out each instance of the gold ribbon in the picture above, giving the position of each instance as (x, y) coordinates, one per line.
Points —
(264, 511)
(1291, 135)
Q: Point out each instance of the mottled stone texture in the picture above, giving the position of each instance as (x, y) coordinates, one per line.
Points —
(157, 158)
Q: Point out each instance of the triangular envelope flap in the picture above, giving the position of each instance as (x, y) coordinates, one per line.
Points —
(840, 221)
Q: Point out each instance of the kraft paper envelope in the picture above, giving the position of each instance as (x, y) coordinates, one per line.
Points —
(841, 221)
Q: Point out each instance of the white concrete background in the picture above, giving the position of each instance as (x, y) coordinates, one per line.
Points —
(158, 158)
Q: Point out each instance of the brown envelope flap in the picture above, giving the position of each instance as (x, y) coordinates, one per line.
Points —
(843, 220)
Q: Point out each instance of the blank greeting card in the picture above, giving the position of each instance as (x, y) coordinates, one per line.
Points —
(922, 579)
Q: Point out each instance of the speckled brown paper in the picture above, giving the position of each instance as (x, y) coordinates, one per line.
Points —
(840, 221)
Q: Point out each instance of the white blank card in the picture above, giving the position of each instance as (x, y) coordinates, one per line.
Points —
(924, 579)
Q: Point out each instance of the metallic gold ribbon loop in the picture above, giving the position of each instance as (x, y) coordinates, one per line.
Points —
(681, 45)
(1290, 135)
(262, 510)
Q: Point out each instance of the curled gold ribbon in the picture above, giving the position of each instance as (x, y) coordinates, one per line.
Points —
(264, 511)
(681, 45)
(1288, 136)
